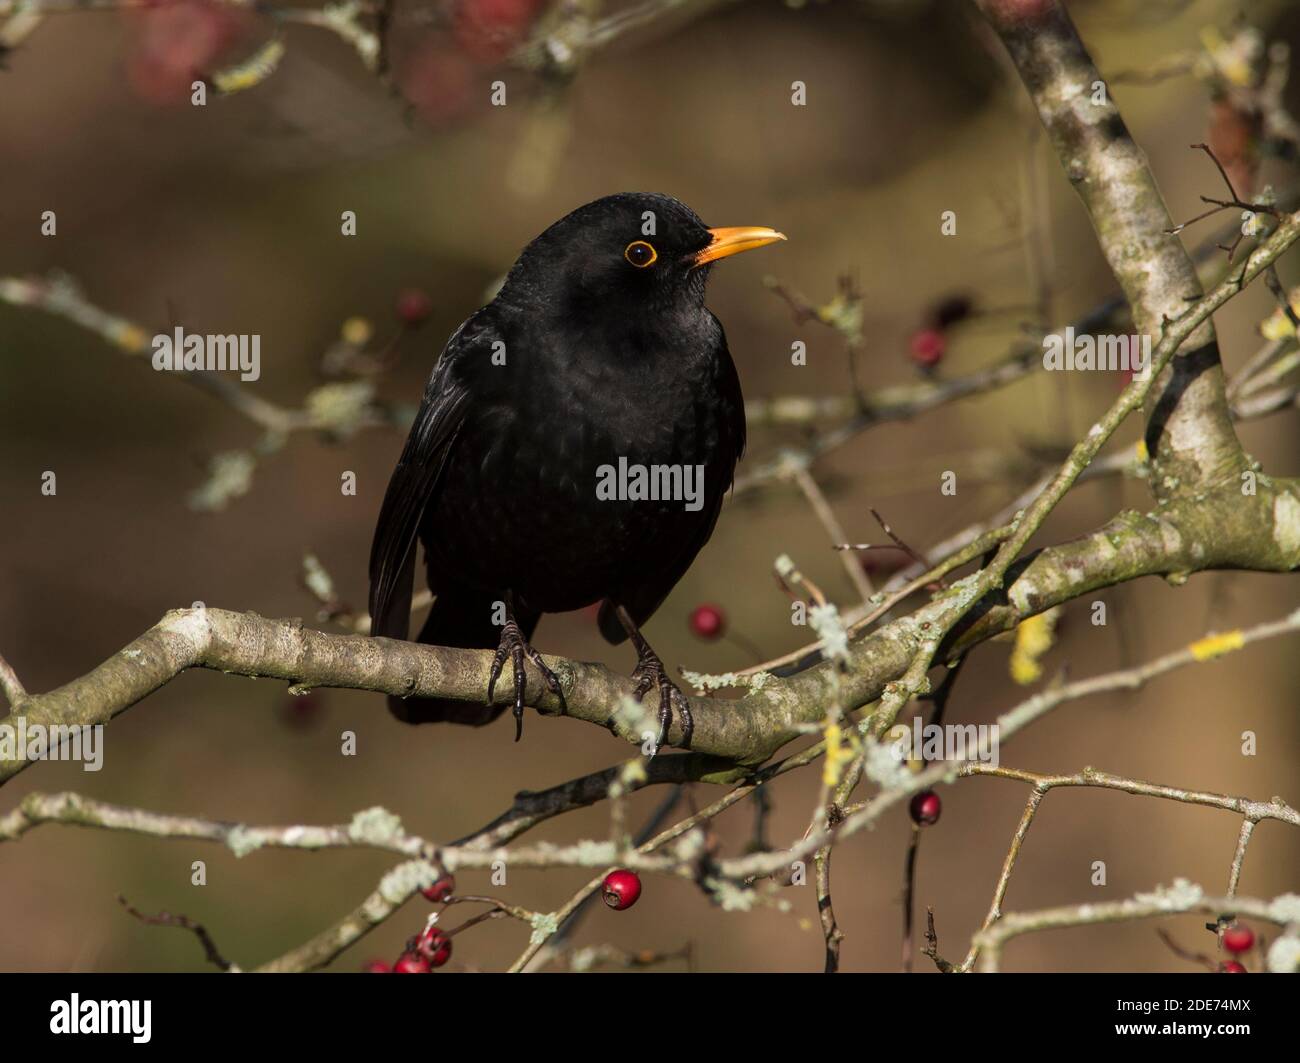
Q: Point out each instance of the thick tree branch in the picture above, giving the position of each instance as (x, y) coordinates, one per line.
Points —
(1190, 435)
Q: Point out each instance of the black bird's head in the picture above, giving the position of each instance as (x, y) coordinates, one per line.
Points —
(634, 255)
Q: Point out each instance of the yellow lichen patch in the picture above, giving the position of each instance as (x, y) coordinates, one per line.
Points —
(130, 338)
(253, 71)
(838, 753)
(357, 331)
(1034, 637)
(1228, 56)
(1278, 325)
(1217, 645)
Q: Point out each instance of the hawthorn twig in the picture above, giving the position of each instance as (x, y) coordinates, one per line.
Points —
(1182, 897)
(210, 950)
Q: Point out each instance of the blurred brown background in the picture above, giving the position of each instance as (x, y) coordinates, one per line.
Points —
(227, 219)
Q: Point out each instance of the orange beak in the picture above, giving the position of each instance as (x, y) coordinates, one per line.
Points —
(734, 240)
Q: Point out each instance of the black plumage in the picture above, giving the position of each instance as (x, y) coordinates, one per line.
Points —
(597, 347)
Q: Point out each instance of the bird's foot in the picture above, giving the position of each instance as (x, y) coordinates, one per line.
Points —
(514, 646)
(650, 672)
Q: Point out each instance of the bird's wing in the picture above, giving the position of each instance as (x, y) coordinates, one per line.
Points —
(442, 411)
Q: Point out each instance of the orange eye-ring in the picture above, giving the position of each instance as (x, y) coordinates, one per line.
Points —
(640, 254)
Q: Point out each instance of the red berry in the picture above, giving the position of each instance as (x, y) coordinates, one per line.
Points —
(1238, 939)
(437, 80)
(178, 43)
(928, 346)
(377, 967)
(434, 946)
(413, 306)
(489, 30)
(1232, 967)
(302, 711)
(621, 889)
(440, 890)
(925, 808)
(708, 621)
(411, 963)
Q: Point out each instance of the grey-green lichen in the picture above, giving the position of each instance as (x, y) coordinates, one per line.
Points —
(1284, 954)
(375, 826)
(241, 841)
(830, 628)
(1177, 897)
(406, 879)
(544, 924)
(1286, 908)
(709, 681)
(632, 719)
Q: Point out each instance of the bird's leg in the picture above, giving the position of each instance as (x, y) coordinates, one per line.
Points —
(514, 646)
(650, 672)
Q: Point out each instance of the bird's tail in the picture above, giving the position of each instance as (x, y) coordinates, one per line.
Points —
(463, 619)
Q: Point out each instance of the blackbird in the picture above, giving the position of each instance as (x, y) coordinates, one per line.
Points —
(574, 444)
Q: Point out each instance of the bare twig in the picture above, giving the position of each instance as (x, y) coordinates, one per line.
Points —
(210, 950)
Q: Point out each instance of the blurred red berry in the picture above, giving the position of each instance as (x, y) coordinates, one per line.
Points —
(440, 890)
(621, 889)
(489, 30)
(413, 306)
(708, 621)
(377, 967)
(1232, 967)
(411, 963)
(1238, 939)
(925, 808)
(927, 347)
(302, 711)
(179, 42)
(434, 946)
(437, 80)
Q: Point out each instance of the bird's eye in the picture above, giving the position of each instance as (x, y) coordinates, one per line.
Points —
(640, 254)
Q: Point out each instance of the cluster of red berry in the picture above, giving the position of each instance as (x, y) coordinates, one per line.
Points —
(437, 77)
(428, 949)
(431, 948)
(179, 42)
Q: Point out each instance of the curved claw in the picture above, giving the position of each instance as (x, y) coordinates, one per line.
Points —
(550, 678)
(650, 672)
(517, 658)
(514, 646)
(688, 721)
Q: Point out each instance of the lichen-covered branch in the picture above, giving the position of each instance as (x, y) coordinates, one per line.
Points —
(1190, 435)
(1180, 898)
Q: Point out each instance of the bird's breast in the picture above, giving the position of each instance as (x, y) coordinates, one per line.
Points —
(564, 483)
